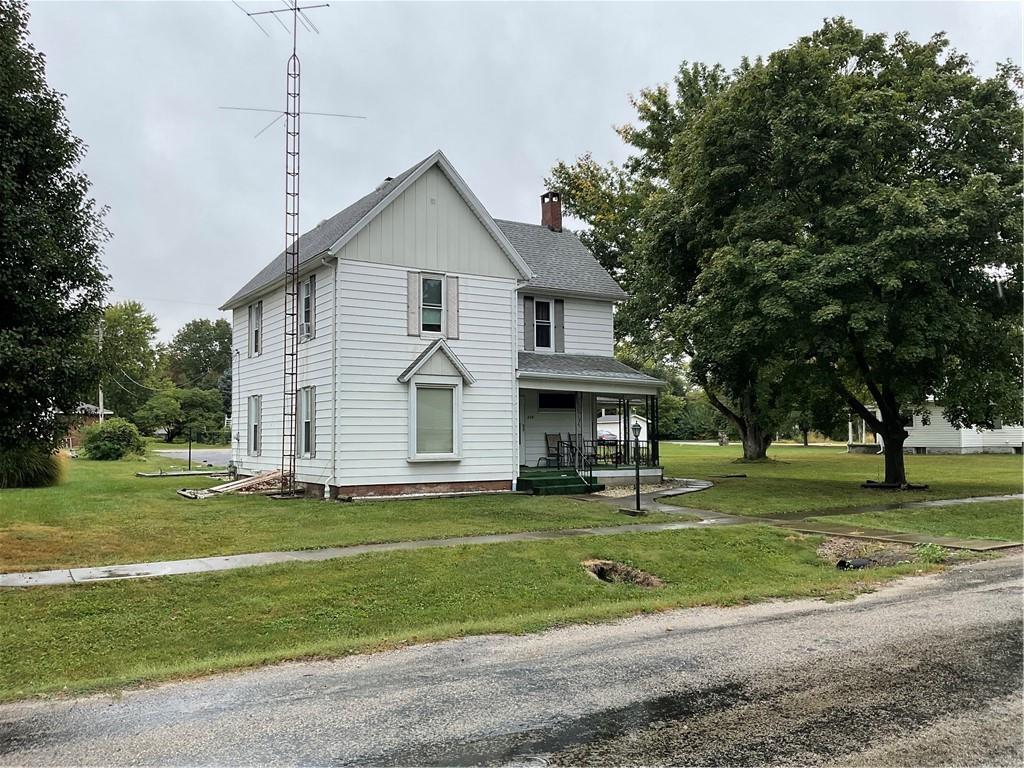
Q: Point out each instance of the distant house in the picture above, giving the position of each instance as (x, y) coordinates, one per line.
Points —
(439, 349)
(611, 424)
(86, 415)
(939, 436)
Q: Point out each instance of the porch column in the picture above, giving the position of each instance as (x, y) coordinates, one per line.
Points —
(654, 435)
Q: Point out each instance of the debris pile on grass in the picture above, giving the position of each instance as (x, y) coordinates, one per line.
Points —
(264, 482)
(857, 553)
(613, 572)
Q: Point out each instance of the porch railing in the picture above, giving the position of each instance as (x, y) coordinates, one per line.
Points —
(588, 454)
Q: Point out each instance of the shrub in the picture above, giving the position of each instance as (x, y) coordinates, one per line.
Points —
(112, 439)
(30, 467)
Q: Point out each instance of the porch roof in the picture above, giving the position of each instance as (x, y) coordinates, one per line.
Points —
(593, 369)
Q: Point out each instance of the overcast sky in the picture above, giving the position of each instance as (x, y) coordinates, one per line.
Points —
(504, 89)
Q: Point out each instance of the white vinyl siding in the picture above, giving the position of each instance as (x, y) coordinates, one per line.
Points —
(939, 436)
(374, 349)
(262, 374)
(588, 326)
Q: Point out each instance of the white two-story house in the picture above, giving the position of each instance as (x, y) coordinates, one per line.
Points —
(440, 349)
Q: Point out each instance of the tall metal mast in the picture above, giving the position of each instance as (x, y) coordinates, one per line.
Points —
(292, 115)
(291, 263)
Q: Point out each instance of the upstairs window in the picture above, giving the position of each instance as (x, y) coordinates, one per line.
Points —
(307, 308)
(255, 328)
(542, 324)
(432, 304)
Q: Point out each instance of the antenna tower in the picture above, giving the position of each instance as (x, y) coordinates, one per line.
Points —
(291, 115)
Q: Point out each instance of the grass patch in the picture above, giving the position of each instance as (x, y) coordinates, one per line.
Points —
(817, 478)
(1001, 520)
(104, 515)
(103, 635)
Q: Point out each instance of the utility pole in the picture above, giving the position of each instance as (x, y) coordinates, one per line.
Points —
(100, 335)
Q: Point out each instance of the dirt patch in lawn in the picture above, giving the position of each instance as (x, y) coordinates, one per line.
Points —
(32, 543)
(612, 572)
(833, 549)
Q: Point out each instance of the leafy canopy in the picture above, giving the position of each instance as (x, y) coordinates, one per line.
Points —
(51, 236)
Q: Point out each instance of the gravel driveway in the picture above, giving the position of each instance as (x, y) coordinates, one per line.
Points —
(926, 671)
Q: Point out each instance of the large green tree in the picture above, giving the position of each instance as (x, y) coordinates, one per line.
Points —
(52, 282)
(200, 354)
(858, 202)
(127, 356)
(642, 229)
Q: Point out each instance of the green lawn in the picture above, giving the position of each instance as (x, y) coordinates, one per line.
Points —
(102, 635)
(104, 515)
(816, 478)
(1002, 520)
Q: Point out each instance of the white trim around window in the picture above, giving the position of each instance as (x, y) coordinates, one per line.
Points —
(435, 419)
(255, 328)
(307, 422)
(543, 327)
(432, 304)
(254, 435)
(307, 308)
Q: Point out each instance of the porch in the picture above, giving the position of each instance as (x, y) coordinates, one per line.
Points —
(589, 432)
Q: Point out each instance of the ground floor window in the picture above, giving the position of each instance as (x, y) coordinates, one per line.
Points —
(435, 433)
(255, 424)
(307, 422)
(556, 401)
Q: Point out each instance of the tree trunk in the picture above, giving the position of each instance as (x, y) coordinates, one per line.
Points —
(755, 441)
(805, 436)
(895, 469)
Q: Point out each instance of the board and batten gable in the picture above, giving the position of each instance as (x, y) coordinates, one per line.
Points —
(430, 227)
(263, 375)
(589, 324)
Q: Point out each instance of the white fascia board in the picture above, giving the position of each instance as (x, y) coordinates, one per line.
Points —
(528, 290)
(312, 264)
(531, 380)
(464, 191)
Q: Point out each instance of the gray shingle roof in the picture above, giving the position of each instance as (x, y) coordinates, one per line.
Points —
(588, 366)
(323, 235)
(560, 262)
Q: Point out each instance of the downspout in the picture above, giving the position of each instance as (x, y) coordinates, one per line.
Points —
(333, 481)
(517, 428)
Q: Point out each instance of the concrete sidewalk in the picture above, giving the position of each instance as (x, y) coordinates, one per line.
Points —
(649, 502)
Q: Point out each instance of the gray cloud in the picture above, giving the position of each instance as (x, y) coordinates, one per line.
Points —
(504, 89)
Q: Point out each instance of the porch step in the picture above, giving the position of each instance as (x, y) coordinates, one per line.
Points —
(555, 482)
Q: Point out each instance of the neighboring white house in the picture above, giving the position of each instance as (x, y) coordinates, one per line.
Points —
(441, 349)
(939, 436)
(611, 424)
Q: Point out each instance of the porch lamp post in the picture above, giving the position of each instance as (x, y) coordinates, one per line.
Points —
(636, 459)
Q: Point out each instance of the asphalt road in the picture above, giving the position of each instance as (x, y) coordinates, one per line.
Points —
(924, 672)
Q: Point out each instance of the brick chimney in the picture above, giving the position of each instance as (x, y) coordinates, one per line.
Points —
(551, 211)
